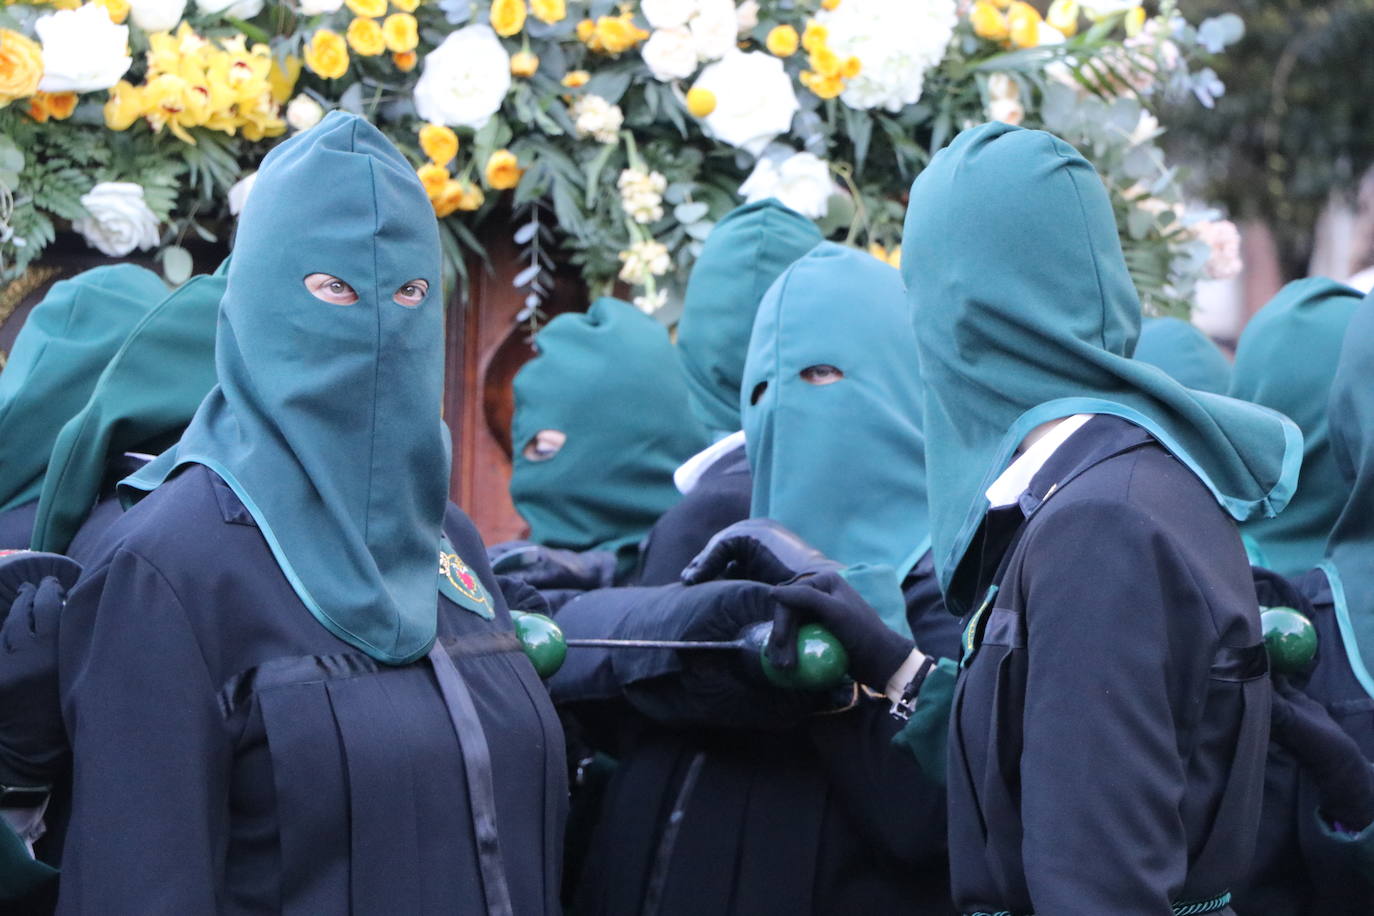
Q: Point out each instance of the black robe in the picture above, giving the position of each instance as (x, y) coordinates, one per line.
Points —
(1300, 868)
(720, 498)
(233, 756)
(1109, 726)
(16, 526)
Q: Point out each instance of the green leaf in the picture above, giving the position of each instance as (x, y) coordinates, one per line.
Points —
(176, 264)
(594, 173)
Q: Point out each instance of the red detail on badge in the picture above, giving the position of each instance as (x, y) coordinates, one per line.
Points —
(468, 582)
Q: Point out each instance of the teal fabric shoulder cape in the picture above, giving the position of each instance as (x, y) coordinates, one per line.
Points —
(1349, 563)
(841, 464)
(146, 396)
(57, 357)
(325, 420)
(1286, 360)
(1187, 354)
(741, 258)
(1025, 312)
(609, 381)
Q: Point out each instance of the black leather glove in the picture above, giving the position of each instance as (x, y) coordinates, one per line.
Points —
(552, 568)
(875, 651)
(1344, 779)
(33, 589)
(521, 596)
(758, 549)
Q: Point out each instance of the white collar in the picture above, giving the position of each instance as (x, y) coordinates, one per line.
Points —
(688, 476)
(1012, 482)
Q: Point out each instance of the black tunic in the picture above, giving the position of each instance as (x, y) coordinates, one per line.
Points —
(1108, 732)
(16, 526)
(232, 756)
(720, 498)
(1300, 868)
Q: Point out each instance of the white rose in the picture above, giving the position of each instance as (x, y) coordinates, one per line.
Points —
(239, 9)
(715, 29)
(156, 15)
(755, 100)
(896, 44)
(83, 50)
(1008, 111)
(668, 14)
(238, 194)
(319, 7)
(117, 219)
(800, 181)
(670, 54)
(465, 79)
(747, 16)
(303, 112)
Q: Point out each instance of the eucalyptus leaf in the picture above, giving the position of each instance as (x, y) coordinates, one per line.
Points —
(525, 276)
(525, 233)
(701, 230)
(352, 99)
(176, 264)
(690, 212)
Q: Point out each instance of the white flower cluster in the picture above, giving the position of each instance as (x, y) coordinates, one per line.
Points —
(896, 44)
(1004, 99)
(799, 181)
(1223, 238)
(687, 32)
(651, 302)
(641, 194)
(644, 260)
(594, 115)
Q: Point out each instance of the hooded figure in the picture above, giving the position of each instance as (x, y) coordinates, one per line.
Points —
(1286, 360)
(1187, 354)
(607, 388)
(700, 820)
(57, 358)
(1110, 602)
(142, 402)
(289, 652)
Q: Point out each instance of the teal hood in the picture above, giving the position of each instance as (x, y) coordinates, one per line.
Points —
(57, 358)
(325, 420)
(1349, 563)
(1286, 360)
(144, 398)
(1187, 354)
(1025, 312)
(741, 258)
(607, 380)
(841, 464)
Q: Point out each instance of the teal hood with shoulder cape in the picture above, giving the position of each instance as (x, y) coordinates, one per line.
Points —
(144, 398)
(1286, 360)
(608, 380)
(741, 258)
(1349, 563)
(57, 357)
(325, 420)
(841, 464)
(1187, 354)
(1025, 312)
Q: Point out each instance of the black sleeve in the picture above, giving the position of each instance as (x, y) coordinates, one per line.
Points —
(682, 532)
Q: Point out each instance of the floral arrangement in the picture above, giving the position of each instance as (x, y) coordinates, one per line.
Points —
(622, 131)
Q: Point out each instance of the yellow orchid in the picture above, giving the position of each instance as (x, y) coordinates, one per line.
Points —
(124, 106)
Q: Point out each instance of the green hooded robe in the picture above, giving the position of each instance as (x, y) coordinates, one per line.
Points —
(1025, 312)
(1187, 354)
(325, 420)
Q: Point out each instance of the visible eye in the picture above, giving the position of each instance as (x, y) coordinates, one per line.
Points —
(329, 288)
(412, 294)
(544, 444)
(821, 374)
(759, 389)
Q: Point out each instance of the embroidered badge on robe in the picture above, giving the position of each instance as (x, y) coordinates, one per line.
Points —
(460, 584)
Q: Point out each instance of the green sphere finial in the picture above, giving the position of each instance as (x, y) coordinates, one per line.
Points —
(822, 661)
(542, 640)
(1290, 639)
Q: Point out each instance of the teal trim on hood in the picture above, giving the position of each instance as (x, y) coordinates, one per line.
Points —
(1350, 633)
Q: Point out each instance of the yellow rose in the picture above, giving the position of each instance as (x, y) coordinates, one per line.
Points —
(616, 34)
(124, 106)
(549, 11)
(783, 41)
(327, 54)
(433, 177)
(368, 9)
(700, 101)
(440, 143)
(401, 31)
(406, 6)
(1023, 22)
(826, 62)
(503, 170)
(446, 200)
(472, 197)
(365, 37)
(1135, 21)
(815, 35)
(988, 21)
(56, 105)
(524, 63)
(1063, 15)
(507, 17)
(21, 66)
(405, 61)
(118, 9)
(576, 79)
(282, 77)
(829, 4)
